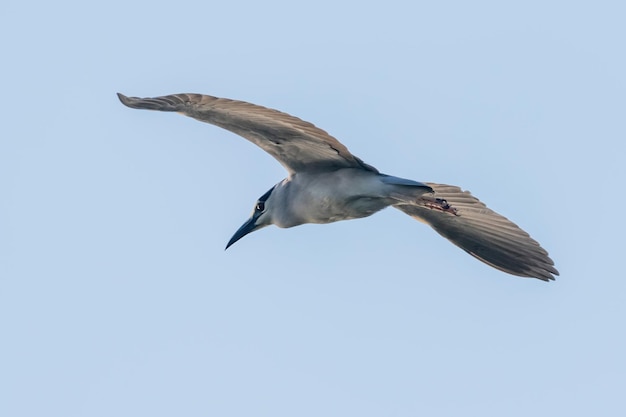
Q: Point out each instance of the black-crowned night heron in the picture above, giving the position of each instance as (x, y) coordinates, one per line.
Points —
(326, 183)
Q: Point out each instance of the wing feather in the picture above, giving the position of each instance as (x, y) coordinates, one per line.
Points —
(483, 233)
(298, 145)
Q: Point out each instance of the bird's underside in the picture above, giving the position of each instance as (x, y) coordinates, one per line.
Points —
(301, 147)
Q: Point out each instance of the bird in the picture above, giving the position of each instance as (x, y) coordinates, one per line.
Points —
(326, 183)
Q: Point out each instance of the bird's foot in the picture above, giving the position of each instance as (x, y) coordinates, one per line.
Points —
(442, 205)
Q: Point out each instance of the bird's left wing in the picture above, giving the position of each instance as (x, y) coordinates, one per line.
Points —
(465, 221)
(296, 144)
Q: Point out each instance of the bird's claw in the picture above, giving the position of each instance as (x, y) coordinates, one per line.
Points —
(442, 205)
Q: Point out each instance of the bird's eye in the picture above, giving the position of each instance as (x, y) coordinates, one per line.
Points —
(260, 206)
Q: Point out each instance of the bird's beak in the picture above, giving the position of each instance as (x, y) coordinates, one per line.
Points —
(247, 227)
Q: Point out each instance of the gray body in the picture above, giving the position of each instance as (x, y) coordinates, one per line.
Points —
(326, 183)
(344, 194)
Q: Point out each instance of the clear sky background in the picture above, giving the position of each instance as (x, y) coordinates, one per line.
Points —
(118, 299)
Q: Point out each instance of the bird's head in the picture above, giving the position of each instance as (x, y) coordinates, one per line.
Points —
(260, 218)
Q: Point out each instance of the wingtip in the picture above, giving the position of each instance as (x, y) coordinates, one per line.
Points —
(547, 274)
(125, 100)
(136, 102)
(166, 103)
(552, 271)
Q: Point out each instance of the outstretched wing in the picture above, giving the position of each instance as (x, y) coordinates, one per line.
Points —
(482, 232)
(296, 144)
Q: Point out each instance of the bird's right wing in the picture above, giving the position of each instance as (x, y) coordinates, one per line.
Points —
(465, 221)
(296, 144)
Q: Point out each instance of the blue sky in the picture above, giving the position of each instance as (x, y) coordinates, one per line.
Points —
(117, 298)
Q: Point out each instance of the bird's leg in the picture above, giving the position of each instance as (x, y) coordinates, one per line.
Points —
(439, 204)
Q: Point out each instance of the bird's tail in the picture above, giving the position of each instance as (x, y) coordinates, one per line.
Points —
(468, 223)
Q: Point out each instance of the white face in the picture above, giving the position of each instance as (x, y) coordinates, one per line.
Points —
(261, 209)
(257, 220)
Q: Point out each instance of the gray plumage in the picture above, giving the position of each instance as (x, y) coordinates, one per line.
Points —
(326, 183)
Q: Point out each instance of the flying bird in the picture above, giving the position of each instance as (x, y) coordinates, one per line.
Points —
(326, 183)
